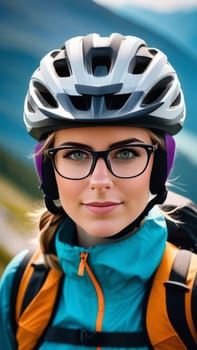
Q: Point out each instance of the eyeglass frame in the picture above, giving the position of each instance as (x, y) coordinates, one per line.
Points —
(51, 153)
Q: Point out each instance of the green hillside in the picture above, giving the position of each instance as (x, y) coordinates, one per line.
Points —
(20, 195)
(19, 172)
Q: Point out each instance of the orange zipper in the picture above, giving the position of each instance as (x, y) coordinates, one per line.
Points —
(82, 263)
(82, 267)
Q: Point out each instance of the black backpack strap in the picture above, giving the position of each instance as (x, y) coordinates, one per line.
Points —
(176, 288)
(103, 339)
(37, 280)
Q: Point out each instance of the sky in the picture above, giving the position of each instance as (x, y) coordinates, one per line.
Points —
(158, 5)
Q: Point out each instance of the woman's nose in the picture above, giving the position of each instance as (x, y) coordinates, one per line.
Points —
(101, 177)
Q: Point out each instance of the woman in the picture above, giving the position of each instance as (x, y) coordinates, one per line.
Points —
(103, 111)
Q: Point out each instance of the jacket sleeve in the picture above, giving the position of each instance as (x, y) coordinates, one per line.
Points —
(7, 337)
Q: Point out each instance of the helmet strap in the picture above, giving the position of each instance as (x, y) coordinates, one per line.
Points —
(52, 206)
(158, 199)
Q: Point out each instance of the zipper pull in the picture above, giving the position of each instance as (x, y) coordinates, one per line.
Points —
(82, 264)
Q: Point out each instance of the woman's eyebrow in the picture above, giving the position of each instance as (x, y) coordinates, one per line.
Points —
(114, 144)
(125, 142)
(75, 144)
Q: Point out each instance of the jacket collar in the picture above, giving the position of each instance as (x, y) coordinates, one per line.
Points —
(133, 258)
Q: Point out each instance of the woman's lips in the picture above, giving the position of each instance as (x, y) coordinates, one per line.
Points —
(102, 207)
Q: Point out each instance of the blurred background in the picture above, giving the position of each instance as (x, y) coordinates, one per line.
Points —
(29, 29)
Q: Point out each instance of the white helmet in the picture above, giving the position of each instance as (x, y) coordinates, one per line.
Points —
(97, 80)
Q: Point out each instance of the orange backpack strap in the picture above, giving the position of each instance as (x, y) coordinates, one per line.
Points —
(169, 319)
(35, 300)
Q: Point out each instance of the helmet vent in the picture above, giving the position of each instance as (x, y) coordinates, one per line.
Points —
(62, 68)
(139, 64)
(153, 52)
(30, 108)
(177, 101)
(114, 102)
(142, 59)
(158, 91)
(101, 65)
(55, 53)
(82, 103)
(44, 95)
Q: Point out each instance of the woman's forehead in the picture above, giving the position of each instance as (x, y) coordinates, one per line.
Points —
(101, 135)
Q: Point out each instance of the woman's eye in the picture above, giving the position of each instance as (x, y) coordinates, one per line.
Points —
(126, 154)
(76, 155)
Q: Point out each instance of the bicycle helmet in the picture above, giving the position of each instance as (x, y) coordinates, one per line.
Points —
(99, 80)
(115, 80)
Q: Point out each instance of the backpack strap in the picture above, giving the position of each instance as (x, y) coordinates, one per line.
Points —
(37, 292)
(169, 318)
(96, 339)
(176, 289)
(16, 283)
(194, 303)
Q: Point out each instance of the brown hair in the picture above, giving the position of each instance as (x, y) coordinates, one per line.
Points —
(49, 222)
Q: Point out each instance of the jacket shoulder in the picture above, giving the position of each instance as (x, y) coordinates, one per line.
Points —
(7, 338)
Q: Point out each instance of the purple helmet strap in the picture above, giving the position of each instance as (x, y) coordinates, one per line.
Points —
(38, 159)
(163, 162)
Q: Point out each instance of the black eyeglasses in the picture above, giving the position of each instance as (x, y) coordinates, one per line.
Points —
(76, 163)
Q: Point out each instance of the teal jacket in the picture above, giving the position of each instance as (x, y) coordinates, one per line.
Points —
(114, 302)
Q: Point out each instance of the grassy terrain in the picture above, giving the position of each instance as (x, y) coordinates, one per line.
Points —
(14, 221)
(16, 203)
(19, 195)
